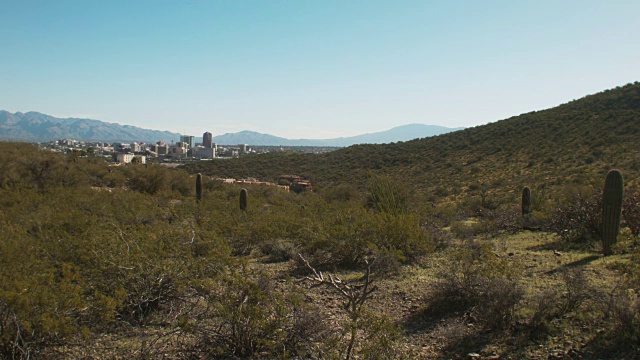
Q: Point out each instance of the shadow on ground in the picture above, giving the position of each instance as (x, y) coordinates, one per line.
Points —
(574, 264)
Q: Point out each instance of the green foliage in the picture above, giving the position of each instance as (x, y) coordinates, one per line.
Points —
(347, 235)
(380, 339)
(476, 280)
(138, 248)
(582, 137)
(631, 212)
(39, 301)
(245, 318)
(578, 218)
(625, 314)
(78, 259)
(341, 192)
(386, 196)
(612, 197)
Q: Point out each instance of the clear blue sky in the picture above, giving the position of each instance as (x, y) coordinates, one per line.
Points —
(310, 68)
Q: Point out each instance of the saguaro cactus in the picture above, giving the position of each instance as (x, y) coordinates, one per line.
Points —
(526, 201)
(199, 187)
(611, 209)
(243, 199)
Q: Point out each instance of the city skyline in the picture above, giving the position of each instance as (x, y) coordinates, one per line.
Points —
(310, 69)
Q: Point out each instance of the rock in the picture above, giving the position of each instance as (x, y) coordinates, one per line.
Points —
(473, 356)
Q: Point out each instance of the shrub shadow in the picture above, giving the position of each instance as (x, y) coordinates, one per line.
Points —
(574, 264)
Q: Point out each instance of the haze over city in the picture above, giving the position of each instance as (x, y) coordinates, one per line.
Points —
(310, 69)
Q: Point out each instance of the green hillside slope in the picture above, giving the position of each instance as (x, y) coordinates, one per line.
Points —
(573, 143)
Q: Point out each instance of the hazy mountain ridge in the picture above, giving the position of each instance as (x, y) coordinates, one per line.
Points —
(35, 126)
(399, 133)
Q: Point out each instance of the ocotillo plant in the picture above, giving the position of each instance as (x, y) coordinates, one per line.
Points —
(199, 187)
(243, 199)
(526, 201)
(611, 209)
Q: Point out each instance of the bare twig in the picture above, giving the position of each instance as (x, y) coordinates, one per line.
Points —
(354, 294)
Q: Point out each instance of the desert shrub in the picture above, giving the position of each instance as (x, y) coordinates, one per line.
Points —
(467, 229)
(445, 213)
(387, 195)
(552, 303)
(246, 317)
(400, 234)
(476, 281)
(144, 268)
(387, 263)
(39, 301)
(346, 235)
(154, 179)
(341, 192)
(380, 338)
(279, 250)
(626, 318)
(266, 230)
(149, 180)
(470, 206)
(631, 212)
(344, 238)
(113, 179)
(42, 168)
(128, 259)
(579, 219)
(504, 220)
(621, 310)
(372, 336)
(576, 290)
(440, 238)
(181, 183)
(497, 299)
(542, 310)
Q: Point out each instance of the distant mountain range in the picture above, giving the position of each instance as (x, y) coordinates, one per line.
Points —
(34, 126)
(399, 133)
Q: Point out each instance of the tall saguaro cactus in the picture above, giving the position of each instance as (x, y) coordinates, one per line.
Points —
(611, 209)
(243, 199)
(199, 187)
(526, 201)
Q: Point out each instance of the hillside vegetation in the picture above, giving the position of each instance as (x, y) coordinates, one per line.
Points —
(573, 143)
(400, 254)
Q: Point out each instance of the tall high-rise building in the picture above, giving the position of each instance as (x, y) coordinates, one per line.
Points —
(188, 140)
(207, 140)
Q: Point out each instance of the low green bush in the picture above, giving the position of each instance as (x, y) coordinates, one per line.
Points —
(476, 281)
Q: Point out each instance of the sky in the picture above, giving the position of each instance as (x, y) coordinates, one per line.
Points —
(310, 68)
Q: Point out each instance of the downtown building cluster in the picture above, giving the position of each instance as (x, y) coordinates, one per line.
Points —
(138, 152)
